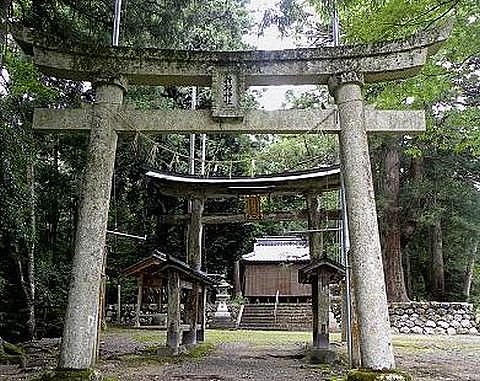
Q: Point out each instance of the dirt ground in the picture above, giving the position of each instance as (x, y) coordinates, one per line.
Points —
(252, 355)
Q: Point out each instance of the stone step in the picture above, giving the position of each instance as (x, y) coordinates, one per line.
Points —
(283, 317)
(273, 327)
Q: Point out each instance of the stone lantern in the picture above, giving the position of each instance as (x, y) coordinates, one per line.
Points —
(222, 318)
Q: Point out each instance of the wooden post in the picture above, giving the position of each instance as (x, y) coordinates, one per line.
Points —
(119, 303)
(173, 312)
(315, 239)
(195, 229)
(321, 341)
(159, 305)
(138, 307)
(315, 245)
(237, 286)
(192, 311)
(203, 315)
(194, 259)
(343, 311)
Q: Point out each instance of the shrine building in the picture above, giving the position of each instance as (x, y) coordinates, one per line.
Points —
(270, 273)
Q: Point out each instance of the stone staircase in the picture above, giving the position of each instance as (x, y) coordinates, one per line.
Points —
(289, 317)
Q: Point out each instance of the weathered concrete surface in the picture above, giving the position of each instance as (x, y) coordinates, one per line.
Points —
(365, 251)
(254, 121)
(378, 62)
(81, 323)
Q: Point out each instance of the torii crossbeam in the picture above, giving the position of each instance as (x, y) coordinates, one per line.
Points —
(345, 69)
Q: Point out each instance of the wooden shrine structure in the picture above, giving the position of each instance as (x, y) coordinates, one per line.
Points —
(270, 271)
(161, 270)
(311, 184)
(320, 273)
(344, 69)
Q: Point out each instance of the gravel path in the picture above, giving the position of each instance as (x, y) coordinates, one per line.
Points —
(125, 357)
(427, 358)
(232, 362)
(439, 358)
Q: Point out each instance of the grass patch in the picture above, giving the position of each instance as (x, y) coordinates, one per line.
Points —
(258, 338)
(215, 337)
(151, 357)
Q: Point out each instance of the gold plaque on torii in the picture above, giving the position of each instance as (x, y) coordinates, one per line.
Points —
(253, 207)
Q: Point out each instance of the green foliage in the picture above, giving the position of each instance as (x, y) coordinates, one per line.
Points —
(366, 21)
(239, 300)
(447, 88)
(297, 152)
(185, 24)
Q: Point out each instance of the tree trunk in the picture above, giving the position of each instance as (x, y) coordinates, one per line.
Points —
(409, 225)
(469, 266)
(4, 7)
(407, 273)
(25, 286)
(30, 275)
(436, 268)
(54, 212)
(393, 269)
(237, 286)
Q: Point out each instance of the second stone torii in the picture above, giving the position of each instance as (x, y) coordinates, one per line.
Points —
(344, 69)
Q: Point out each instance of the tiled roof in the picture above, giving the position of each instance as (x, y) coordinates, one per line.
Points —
(278, 249)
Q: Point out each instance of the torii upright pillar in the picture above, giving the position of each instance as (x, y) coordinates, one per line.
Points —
(81, 322)
(365, 251)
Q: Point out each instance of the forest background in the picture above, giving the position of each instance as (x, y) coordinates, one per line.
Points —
(427, 186)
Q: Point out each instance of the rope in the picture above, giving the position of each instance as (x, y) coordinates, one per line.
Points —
(254, 161)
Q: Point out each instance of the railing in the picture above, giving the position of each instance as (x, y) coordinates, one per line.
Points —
(277, 297)
(240, 315)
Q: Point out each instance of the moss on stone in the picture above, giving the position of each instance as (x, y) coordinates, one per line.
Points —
(378, 375)
(71, 375)
(12, 354)
(14, 350)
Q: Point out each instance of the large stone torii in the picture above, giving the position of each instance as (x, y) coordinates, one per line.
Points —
(344, 69)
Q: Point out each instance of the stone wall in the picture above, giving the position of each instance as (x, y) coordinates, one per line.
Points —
(149, 314)
(433, 318)
(430, 318)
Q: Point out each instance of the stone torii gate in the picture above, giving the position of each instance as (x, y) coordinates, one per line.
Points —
(344, 69)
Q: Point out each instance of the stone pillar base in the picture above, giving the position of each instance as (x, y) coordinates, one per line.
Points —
(72, 375)
(200, 335)
(189, 338)
(378, 375)
(321, 356)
